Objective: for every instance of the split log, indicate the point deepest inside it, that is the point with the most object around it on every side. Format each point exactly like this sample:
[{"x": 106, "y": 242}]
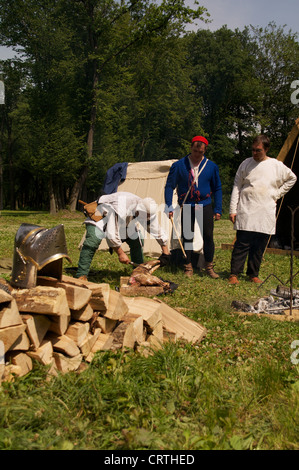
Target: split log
[
  {"x": 4, "y": 297},
  {"x": 63, "y": 344},
  {"x": 22, "y": 360},
  {"x": 67, "y": 364},
  {"x": 100, "y": 292},
  {"x": 9, "y": 314},
  {"x": 89, "y": 342},
  {"x": 157, "y": 332},
  {"x": 59, "y": 324},
  {"x": 10, "y": 334},
  {"x": 103, "y": 343},
  {"x": 128, "y": 332},
  {"x": 77, "y": 297},
  {"x": 42, "y": 300},
  {"x": 36, "y": 328},
  {"x": 78, "y": 332},
  {"x": 106, "y": 325},
  {"x": 43, "y": 354},
  {"x": 179, "y": 324},
  {"x": 10, "y": 372},
  {"x": 149, "y": 309},
  {"x": 83, "y": 314},
  {"x": 117, "y": 308},
  {"x": 127, "y": 289},
  {"x": 22, "y": 343}
]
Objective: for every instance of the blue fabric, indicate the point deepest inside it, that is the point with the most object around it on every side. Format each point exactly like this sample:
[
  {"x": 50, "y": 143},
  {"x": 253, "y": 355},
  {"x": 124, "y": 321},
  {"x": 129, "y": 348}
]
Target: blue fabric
[
  {"x": 114, "y": 176},
  {"x": 209, "y": 185}
]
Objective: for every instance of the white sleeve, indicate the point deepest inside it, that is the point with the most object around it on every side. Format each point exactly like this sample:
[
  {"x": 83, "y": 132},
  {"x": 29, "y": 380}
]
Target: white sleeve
[
  {"x": 288, "y": 180},
  {"x": 156, "y": 231},
  {"x": 235, "y": 195}
]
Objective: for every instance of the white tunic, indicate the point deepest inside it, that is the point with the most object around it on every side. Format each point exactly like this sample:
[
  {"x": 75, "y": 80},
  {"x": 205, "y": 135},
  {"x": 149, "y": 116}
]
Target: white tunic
[
  {"x": 119, "y": 222},
  {"x": 257, "y": 187}
]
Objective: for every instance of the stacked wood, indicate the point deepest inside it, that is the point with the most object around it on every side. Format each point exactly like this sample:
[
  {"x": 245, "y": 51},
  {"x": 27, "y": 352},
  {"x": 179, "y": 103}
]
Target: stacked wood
[{"x": 62, "y": 324}]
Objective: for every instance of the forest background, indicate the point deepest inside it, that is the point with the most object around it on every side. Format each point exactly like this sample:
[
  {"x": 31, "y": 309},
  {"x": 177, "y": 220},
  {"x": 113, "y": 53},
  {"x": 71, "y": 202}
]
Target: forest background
[{"x": 98, "y": 82}]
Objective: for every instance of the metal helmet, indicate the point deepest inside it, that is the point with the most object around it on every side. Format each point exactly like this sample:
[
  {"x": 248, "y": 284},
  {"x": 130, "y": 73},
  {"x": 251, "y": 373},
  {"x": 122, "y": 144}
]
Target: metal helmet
[{"x": 37, "y": 250}]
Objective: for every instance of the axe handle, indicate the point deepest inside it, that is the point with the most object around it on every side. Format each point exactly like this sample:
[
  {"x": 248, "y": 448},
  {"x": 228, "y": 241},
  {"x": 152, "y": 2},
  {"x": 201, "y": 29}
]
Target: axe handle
[{"x": 179, "y": 239}]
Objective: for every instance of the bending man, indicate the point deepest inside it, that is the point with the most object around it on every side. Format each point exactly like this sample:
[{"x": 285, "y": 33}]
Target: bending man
[{"x": 119, "y": 212}]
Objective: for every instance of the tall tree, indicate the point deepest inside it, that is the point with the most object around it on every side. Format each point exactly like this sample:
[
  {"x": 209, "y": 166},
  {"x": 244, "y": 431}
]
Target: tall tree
[{"x": 76, "y": 42}]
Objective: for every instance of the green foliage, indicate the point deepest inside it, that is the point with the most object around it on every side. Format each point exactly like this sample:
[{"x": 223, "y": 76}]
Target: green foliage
[{"x": 102, "y": 82}]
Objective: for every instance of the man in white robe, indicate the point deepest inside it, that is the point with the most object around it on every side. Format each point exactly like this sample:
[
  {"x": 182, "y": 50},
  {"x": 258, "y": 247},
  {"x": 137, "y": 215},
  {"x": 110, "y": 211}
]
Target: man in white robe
[
  {"x": 259, "y": 182},
  {"x": 120, "y": 212}
]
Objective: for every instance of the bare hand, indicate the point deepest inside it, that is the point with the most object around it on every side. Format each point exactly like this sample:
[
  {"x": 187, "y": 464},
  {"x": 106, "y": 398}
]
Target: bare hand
[
  {"x": 232, "y": 218},
  {"x": 217, "y": 216},
  {"x": 122, "y": 257}
]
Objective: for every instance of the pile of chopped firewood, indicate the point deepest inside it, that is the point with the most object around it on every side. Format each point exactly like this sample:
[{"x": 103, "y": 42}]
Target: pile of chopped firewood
[{"x": 62, "y": 324}]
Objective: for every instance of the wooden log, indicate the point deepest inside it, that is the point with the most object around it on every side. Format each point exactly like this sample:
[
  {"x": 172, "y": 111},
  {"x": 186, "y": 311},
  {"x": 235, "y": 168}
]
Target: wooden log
[
  {"x": 4, "y": 297},
  {"x": 9, "y": 315},
  {"x": 22, "y": 343},
  {"x": 146, "y": 291},
  {"x": 66, "y": 364},
  {"x": 157, "y": 331},
  {"x": 63, "y": 344},
  {"x": 10, "y": 334},
  {"x": 43, "y": 354},
  {"x": 10, "y": 372},
  {"x": 149, "y": 309},
  {"x": 106, "y": 325},
  {"x": 83, "y": 314},
  {"x": 128, "y": 332},
  {"x": 103, "y": 343},
  {"x": 78, "y": 332},
  {"x": 117, "y": 308},
  {"x": 89, "y": 343},
  {"x": 100, "y": 292},
  {"x": 182, "y": 326},
  {"x": 22, "y": 360},
  {"x": 77, "y": 296},
  {"x": 36, "y": 328},
  {"x": 42, "y": 300},
  {"x": 59, "y": 324}
]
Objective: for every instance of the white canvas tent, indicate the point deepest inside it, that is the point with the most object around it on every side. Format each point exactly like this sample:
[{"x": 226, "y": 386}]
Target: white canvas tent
[{"x": 148, "y": 179}]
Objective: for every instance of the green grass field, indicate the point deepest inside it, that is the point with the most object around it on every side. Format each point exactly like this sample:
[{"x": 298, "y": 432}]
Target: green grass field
[{"x": 237, "y": 389}]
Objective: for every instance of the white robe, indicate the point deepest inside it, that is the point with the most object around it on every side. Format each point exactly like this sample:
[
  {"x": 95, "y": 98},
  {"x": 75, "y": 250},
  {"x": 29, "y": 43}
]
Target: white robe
[
  {"x": 257, "y": 187},
  {"x": 119, "y": 222}
]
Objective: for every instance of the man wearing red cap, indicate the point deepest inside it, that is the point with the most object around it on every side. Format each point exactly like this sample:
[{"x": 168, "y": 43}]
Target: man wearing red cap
[{"x": 196, "y": 179}]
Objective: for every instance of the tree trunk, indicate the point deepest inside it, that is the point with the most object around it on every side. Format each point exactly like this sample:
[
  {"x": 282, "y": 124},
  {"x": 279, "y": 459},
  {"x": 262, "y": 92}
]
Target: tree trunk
[
  {"x": 77, "y": 188},
  {"x": 52, "y": 199}
]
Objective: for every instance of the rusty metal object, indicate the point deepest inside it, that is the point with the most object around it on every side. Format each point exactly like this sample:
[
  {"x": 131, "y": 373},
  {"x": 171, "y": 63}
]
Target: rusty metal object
[{"x": 37, "y": 250}]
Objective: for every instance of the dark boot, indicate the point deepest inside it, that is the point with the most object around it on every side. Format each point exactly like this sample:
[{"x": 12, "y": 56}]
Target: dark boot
[
  {"x": 188, "y": 270},
  {"x": 210, "y": 270}
]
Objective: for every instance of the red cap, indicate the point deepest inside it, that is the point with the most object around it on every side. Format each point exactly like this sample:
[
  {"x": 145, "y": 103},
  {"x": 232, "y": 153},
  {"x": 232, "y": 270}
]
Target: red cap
[{"x": 199, "y": 138}]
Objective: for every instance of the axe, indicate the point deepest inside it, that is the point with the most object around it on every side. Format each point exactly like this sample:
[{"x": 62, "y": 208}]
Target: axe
[{"x": 179, "y": 239}]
